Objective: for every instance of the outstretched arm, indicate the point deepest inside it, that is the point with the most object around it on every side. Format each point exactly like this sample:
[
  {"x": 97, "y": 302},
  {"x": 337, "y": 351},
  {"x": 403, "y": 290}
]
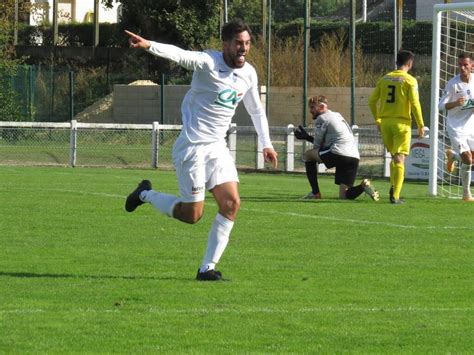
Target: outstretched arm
[
  {"x": 192, "y": 60},
  {"x": 136, "y": 41}
]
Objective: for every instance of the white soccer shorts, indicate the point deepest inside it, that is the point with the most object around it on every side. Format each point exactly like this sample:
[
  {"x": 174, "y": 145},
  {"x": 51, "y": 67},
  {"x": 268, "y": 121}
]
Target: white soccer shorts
[
  {"x": 461, "y": 142},
  {"x": 201, "y": 167}
]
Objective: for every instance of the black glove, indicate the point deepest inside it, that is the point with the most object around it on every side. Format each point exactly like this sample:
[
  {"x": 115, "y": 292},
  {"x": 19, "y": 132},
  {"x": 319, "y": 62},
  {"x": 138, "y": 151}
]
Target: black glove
[{"x": 300, "y": 133}]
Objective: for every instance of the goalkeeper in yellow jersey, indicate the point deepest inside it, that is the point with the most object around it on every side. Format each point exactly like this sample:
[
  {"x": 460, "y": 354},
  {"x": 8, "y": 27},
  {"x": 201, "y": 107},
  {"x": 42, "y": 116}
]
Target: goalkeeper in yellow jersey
[{"x": 392, "y": 103}]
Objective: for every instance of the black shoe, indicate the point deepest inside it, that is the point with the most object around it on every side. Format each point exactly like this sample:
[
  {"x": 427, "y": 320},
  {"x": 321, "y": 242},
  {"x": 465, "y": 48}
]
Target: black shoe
[
  {"x": 390, "y": 195},
  {"x": 133, "y": 200},
  {"x": 397, "y": 202},
  {"x": 209, "y": 275}
]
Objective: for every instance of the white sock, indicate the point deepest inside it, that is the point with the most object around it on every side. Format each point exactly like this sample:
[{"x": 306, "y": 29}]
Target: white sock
[
  {"x": 217, "y": 242},
  {"x": 163, "y": 202},
  {"x": 466, "y": 179}
]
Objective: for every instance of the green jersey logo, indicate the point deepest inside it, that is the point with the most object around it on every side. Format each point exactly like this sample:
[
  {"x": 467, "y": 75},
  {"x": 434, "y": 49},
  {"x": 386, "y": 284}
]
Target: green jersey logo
[
  {"x": 228, "y": 98},
  {"x": 469, "y": 104}
]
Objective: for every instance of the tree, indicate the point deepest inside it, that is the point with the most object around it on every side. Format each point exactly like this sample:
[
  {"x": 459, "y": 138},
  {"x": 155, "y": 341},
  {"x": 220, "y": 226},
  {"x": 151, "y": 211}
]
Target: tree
[
  {"x": 187, "y": 23},
  {"x": 288, "y": 10},
  {"x": 248, "y": 10},
  {"x": 9, "y": 105}
]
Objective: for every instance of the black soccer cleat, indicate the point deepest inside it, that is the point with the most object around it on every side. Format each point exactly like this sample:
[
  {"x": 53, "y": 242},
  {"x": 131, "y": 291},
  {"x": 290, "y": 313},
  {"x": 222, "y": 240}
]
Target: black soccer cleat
[
  {"x": 390, "y": 195},
  {"x": 133, "y": 200},
  {"x": 392, "y": 198},
  {"x": 397, "y": 202},
  {"x": 209, "y": 275}
]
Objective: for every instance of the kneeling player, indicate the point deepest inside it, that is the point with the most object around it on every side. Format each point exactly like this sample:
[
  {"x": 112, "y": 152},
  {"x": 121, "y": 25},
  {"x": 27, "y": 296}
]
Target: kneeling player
[{"x": 335, "y": 146}]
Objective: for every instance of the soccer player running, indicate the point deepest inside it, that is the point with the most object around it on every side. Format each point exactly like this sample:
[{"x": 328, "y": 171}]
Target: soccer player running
[
  {"x": 335, "y": 146},
  {"x": 397, "y": 96},
  {"x": 458, "y": 100},
  {"x": 221, "y": 79}
]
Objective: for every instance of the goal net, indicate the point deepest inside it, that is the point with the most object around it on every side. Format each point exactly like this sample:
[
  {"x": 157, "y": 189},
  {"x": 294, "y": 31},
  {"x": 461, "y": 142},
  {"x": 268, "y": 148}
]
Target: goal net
[{"x": 453, "y": 33}]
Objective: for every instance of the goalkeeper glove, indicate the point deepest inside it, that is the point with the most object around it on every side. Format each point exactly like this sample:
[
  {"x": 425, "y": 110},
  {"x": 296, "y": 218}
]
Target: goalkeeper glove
[{"x": 300, "y": 133}]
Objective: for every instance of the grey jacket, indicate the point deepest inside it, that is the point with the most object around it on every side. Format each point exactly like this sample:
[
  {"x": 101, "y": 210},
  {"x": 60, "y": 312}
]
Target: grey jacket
[{"x": 333, "y": 133}]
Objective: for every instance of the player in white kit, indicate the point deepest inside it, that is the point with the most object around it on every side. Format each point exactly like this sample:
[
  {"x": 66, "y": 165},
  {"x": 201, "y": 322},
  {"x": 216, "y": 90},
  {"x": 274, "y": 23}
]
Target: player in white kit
[
  {"x": 458, "y": 100},
  {"x": 221, "y": 79}
]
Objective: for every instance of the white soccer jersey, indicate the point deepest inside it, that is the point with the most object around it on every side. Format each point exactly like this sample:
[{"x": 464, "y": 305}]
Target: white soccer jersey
[
  {"x": 460, "y": 119},
  {"x": 216, "y": 90}
]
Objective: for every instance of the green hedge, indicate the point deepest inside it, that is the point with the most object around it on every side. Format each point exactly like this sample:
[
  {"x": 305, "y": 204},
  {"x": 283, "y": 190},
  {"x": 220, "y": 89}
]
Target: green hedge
[
  {"x": 75, "y": 35},
  {"x": 374, "y": 37}
]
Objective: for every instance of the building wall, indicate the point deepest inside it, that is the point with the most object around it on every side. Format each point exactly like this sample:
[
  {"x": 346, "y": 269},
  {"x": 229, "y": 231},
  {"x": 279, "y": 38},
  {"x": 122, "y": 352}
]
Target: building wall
[
  {"x": 142, "y": 104},
  {"x": 72, "y": 10},
  {"x": 139, "y": 103},
  {"x": 105, "y": 15}
]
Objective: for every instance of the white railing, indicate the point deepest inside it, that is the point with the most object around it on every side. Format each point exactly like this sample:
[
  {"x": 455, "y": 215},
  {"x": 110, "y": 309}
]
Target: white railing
[
  {"x": 12, "y": 135},
  {"x": 150, "y": 145}
]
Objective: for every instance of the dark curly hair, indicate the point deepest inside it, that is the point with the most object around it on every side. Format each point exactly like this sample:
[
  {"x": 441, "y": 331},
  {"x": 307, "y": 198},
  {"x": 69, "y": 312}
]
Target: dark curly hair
[{"x": 230, "y": 29}]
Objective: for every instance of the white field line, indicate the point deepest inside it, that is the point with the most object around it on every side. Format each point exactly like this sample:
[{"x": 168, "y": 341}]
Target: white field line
[
  {"x": 356, "y": 221},
  {"x": 76, "y": 192},
  {"x": 253, "y": 310},
  {"x": 286, "y": 214},
  {"x": 79, "y": 192}
]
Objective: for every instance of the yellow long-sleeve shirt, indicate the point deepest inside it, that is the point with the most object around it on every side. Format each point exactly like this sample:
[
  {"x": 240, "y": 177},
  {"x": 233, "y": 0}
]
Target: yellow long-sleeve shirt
[{"x": 397, "y": 94}]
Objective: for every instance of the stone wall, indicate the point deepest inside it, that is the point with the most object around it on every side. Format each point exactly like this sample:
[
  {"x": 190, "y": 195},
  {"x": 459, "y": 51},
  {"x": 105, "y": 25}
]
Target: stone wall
[
  {"x": 287, "y": 104},
  {"x": 142, "y": 104}
]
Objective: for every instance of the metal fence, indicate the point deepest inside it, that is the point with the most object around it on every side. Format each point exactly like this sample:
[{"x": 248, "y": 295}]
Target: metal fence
[
  {"x": 72, "y": 79},
  {"x": 150, "y": 145}
]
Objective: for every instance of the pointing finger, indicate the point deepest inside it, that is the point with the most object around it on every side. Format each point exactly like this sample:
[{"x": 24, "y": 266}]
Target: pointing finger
[{"x": 131, "y": 34}]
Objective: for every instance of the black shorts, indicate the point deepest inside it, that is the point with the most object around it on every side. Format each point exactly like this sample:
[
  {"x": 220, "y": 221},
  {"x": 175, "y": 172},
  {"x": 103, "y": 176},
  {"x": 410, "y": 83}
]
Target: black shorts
[{"x": 346, "y": 167}]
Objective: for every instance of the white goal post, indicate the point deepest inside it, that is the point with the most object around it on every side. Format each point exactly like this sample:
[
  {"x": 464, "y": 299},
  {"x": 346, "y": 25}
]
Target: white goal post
[{"x": 453, "y": 33}]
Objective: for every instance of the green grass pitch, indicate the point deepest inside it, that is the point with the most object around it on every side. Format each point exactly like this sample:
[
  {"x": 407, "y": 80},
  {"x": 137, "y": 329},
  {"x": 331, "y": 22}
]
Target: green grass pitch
[{"x": 79, "y": 274}]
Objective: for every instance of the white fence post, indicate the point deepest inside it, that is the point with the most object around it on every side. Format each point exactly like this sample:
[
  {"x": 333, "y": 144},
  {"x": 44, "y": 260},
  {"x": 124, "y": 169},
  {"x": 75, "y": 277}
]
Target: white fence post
[
  {"x": 232, "y": 141},
  {"x": 155, "y": 142},
  {"x": 73, "y": 144},
  {"x": 386, "y": 163},
  {"x": 355, "y": 133},
  {"x": 259, "y": 159},
  {"x": 263, "y": 95},
  {"x": 290, "y": 148}
]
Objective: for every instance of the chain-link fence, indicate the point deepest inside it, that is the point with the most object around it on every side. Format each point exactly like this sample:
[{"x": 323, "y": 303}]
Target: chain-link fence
[
  {"x": 116, "y": 147},
  {"x": 86, "y": 145},
  {"x": 56, "y": 94},
  {"x": 143, "y": 146},
  {"x": 35, "y": 145}
]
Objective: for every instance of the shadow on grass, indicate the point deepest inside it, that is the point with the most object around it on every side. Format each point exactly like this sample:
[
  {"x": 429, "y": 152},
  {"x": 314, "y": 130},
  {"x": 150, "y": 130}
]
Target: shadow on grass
[{"x": 98, "y": 277}]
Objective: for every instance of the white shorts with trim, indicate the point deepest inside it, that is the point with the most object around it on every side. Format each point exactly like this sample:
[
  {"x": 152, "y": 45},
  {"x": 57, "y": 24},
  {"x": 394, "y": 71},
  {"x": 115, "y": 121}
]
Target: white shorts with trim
[
  {"x": 201, "y": 167},
  {"x": 461, "y": 142}
]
